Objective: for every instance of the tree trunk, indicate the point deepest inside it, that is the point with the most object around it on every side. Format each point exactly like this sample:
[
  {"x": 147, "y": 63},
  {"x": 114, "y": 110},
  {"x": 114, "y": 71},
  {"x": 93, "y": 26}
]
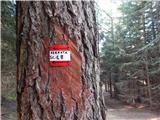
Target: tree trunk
[
  {"x": 110, "y": 84},
  {"x": 148, "y": 79},
  {"x": 57, "y": 93}
]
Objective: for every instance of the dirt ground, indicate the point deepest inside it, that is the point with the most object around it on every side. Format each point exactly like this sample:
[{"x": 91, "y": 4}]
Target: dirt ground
[
  {"x": 120, "y": 111},
  {"x": 116, "y": 111}
]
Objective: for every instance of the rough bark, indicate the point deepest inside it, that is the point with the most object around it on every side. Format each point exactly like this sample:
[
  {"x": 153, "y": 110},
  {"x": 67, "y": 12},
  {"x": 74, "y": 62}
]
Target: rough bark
[{"x": 57, "y": 93}]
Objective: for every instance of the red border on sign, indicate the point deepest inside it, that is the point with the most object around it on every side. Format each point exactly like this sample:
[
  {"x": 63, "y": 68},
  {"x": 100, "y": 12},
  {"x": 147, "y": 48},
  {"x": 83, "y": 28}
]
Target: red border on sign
[
  {"x": 59, "y": 63},
  {"x": 59, "y": 47}
]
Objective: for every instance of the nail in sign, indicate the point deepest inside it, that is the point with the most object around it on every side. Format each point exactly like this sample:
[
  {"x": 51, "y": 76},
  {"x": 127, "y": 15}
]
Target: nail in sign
[{"x": 59, "y": 55}]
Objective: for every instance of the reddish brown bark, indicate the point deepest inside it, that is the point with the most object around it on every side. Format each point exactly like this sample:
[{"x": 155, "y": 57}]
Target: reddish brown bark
[{"x": 50, "y": 93}]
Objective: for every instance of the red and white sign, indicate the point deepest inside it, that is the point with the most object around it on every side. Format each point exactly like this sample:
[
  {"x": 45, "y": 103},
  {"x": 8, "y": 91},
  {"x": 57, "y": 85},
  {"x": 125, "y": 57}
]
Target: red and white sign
[{"x": 59, "y": 55}]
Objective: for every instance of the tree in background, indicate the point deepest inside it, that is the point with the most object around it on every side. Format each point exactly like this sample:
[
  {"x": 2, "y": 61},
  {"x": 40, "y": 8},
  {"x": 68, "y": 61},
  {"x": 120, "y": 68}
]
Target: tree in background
[
  {"x": 136, "y": 44},
  {"x": 8, "y": 50}
]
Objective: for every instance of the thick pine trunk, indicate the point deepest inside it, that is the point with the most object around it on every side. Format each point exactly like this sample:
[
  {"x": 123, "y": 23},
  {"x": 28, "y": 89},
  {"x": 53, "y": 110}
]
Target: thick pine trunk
[{"x": 57, "y": 93}]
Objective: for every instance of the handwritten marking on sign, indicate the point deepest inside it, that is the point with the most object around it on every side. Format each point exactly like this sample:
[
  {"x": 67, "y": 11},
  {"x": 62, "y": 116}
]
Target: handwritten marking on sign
[{"x": 60, "y": 55}]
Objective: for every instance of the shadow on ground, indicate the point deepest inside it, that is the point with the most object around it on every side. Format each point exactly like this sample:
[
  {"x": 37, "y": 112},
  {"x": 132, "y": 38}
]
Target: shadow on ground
[{"x": 120, "y": 111}]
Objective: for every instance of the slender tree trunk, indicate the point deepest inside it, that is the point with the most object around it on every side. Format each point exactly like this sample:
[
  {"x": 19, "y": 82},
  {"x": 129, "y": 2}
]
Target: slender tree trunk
[
  {"x": 106, "y": 86},
  {"x": 148, "y": 81},
  {"x": 57, "y": 93},
  {"x": 110, "y": 84}
]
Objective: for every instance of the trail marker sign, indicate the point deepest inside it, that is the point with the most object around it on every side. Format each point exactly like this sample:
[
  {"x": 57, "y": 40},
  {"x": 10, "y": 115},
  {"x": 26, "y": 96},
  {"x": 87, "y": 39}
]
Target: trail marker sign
[{"x": 59, "y": 55}]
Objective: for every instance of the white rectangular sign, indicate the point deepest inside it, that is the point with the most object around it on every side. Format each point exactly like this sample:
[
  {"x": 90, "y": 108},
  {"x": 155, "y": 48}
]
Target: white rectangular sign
[{"x": 58, "y": 55}]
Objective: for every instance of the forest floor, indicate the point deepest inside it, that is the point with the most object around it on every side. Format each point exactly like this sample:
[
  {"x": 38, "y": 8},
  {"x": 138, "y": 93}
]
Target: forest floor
[
  {"x": 116, "y": 111},
  {"x": 8, "y": 110},
  {"x": 120, "y": 111}
]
